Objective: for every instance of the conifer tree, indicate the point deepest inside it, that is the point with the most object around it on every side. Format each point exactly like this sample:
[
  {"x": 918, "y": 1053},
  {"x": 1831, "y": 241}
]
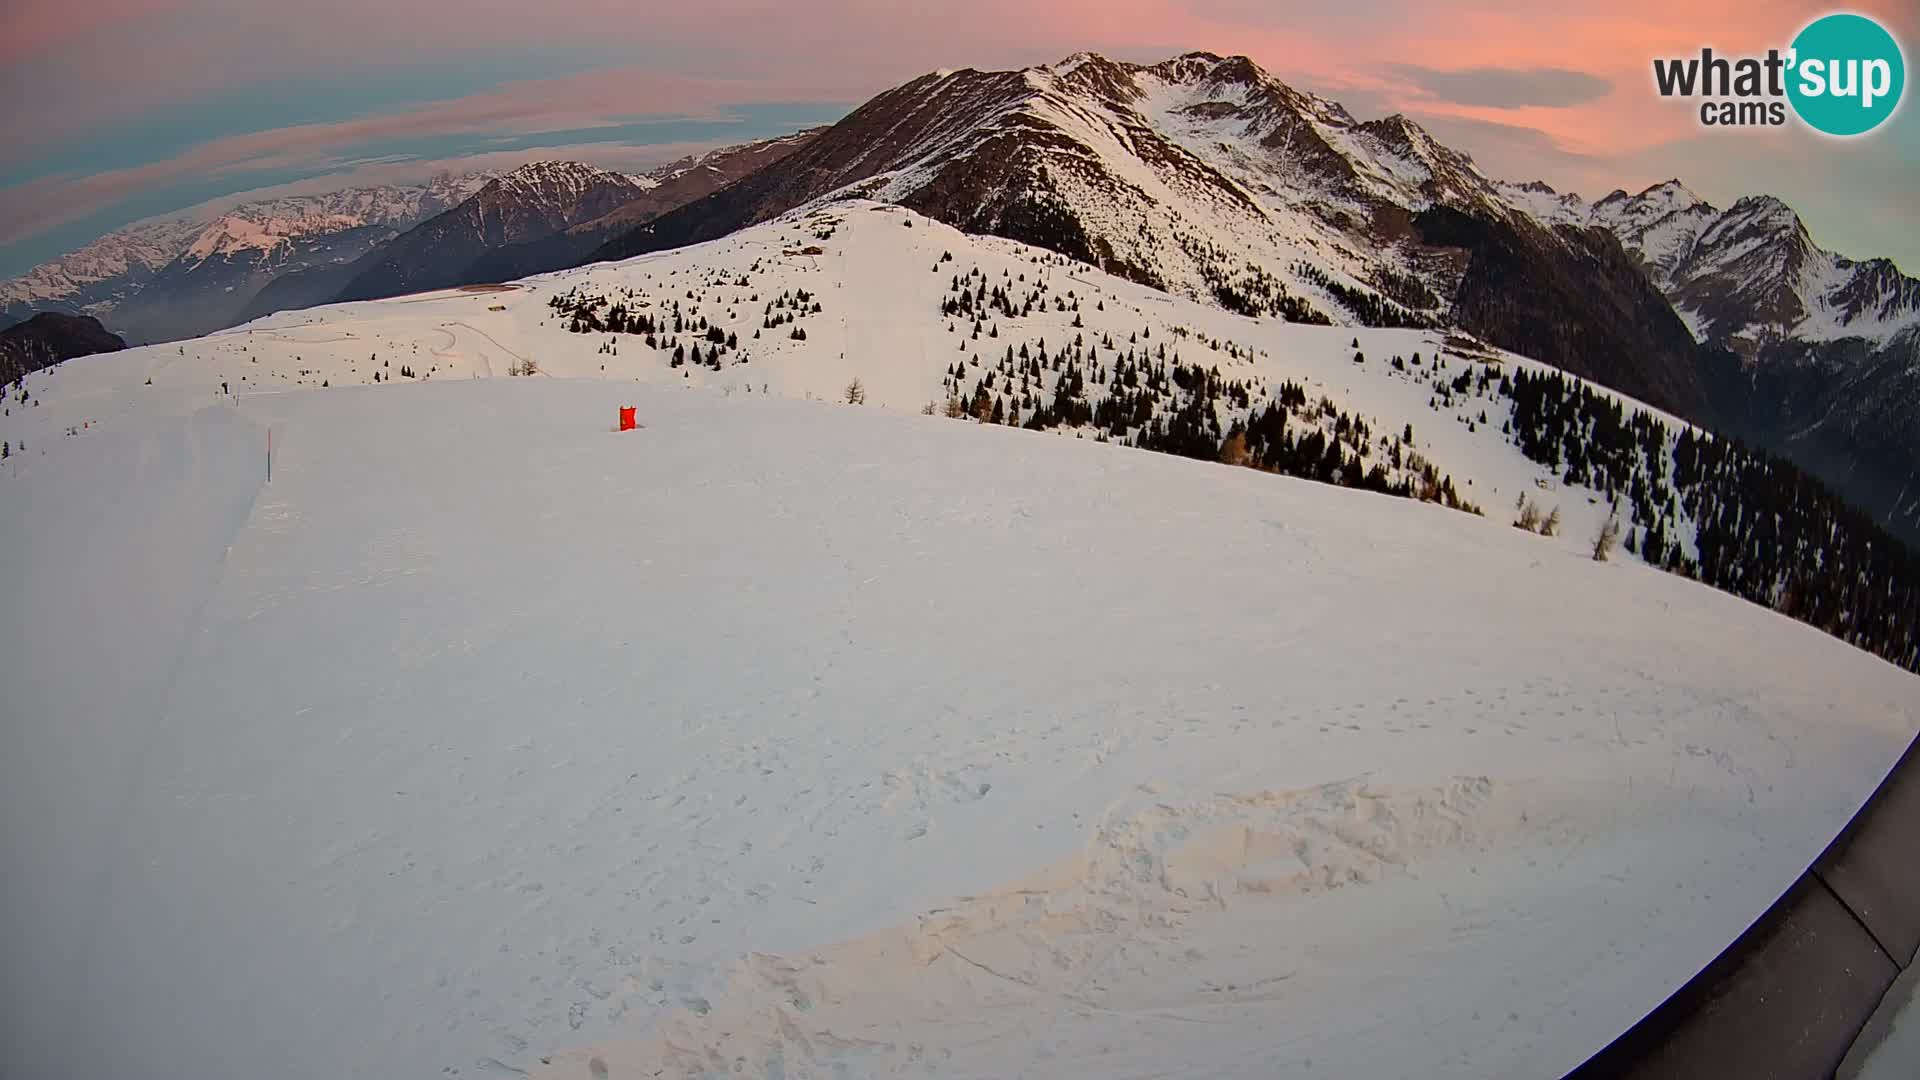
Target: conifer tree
[{"x": 1608, "y": 536}]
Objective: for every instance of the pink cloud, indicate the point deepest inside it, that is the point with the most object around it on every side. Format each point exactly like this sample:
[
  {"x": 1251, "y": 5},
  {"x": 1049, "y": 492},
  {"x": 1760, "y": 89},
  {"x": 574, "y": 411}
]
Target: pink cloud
[{"x": 30, "y": 27}]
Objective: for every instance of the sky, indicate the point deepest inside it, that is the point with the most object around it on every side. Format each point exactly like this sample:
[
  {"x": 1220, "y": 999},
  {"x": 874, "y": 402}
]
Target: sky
[{"x": 124, "y": 109}]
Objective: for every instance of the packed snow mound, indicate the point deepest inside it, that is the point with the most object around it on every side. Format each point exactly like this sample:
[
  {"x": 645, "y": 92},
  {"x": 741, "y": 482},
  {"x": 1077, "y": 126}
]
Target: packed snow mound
[{"x": 921, "y": 996}]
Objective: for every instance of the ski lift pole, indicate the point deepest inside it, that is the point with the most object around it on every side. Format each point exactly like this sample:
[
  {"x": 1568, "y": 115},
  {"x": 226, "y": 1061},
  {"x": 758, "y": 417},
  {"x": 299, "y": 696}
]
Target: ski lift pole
[{"x": 269, "y": 455}]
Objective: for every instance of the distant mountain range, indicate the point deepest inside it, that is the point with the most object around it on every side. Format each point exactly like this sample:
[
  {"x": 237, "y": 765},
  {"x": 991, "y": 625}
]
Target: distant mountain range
[
  {"x": 545, "y": 216},
  {"x": 1205, "y": 177},
  {"x": 186, "y": 276}
]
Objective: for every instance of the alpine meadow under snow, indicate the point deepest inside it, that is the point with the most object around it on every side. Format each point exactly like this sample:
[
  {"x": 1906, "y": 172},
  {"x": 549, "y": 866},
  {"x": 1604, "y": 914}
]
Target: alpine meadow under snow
[{"x": 791, "y": 737}]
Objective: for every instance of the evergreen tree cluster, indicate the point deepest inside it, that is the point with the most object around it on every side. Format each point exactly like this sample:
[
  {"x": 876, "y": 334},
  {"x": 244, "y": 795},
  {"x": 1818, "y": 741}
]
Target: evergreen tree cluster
[
  {"x": 787, "y": 308},
  {"x": 1238, "y": 285},
  {"x": 972, "y": 297},
  {"x": 1147, "y": 396},
  {"x": 1370, "y": 308},
  {"x": 1406, "y": 290},
  {"x": 1255, "y": 292},
  {"x": 1759, "y": 527},
  {"x": 1241, "y": 286},
  {"x": 678, "y": 328}
]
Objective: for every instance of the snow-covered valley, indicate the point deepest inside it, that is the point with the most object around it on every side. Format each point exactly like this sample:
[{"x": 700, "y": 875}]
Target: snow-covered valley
[{"x": 786, "y": 737}]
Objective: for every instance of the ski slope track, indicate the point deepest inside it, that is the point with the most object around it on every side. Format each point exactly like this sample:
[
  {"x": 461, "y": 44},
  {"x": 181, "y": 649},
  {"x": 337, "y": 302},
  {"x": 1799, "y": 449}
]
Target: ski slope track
[{"x": 790, "y": 738}]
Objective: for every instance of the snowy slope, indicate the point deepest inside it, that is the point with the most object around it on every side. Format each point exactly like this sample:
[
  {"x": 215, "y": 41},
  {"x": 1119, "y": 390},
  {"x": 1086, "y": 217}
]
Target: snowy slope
[
  {"x": 789, "y": 738},
  {"x": 880, "y": 285}
]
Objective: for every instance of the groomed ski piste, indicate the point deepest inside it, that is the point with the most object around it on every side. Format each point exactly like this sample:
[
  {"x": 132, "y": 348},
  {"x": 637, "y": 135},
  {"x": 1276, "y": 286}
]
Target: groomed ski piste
[{"x": 785, "y": 737}]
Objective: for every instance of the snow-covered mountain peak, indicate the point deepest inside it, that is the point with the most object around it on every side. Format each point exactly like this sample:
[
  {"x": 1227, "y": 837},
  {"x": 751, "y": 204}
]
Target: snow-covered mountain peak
[
  {"x": 1675, "y": 193},
  {"x": 1200, "y": 77},
  {"x": 1095, "y": 75},
  {"x": 1629, "y": 213},
  {"x": 1190, "y": 66},
  {"x": 1546, "y": 204},
  {"x": 267, "y": 229},
  {"x": 563, "y": 179},
  {"x": 1405, "y": 135},
  {"x": 1751, "y": 278},
  {"x": 230, "y": 234},
  {"x": 1399, "y": 137},
  {"x": 1207, "y": 68},
  {"x": 1660, "y": 225},
  {"x": 1063, "y": 68},
  {"x": 1200, "y": 174},
  {"x": 1763, "y": 211},
  {"x": 1666, "y": 197},
  {"x": 1760, "y": 232}
]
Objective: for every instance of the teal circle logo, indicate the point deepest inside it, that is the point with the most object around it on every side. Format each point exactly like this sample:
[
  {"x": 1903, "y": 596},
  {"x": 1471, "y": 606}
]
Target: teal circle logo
[{"x": 1847, "y": 74}]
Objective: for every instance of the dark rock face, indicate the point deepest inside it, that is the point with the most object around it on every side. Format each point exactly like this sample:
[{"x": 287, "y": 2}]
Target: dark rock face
[
  {"x": 678, "y": 184},
  {"x": 197, "y": 295},
  {"x": 541, "y": 217},
  {"x": 298, "y": 289},
  {"x": 530, "y": 203},
  {"x": 1574, "y": 299},
  {"x": 874, "y": 138},
  {"x": 48, "y": 339},
  {"x": 1843, "y": 410}
]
